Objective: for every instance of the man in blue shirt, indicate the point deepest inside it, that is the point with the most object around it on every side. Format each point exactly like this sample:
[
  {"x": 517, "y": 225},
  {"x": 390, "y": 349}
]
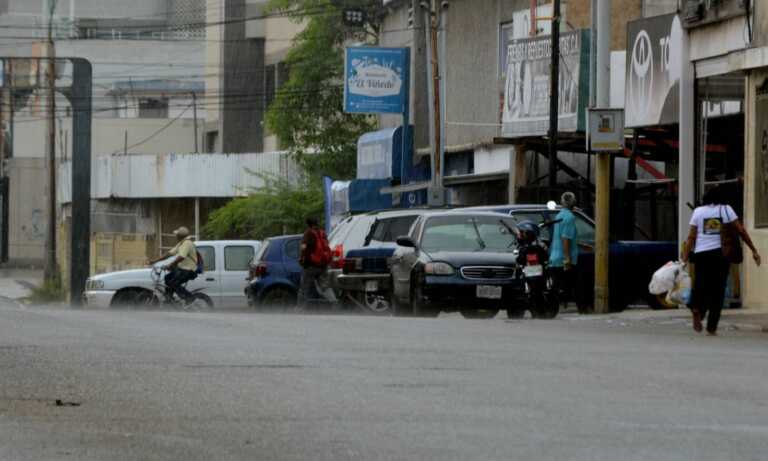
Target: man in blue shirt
[{"x": 564, "y": 248}]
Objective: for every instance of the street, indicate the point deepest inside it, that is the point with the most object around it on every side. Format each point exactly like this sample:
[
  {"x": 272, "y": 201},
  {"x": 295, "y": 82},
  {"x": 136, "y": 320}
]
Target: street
[{"x": 96, "y": 385}]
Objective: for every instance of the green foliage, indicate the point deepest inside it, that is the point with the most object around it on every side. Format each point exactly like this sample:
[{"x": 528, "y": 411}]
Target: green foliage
[
  {"x": 307, "y": 113},
  {"x": 50, "y": 291},
  {"x": 277, "y": 208}
]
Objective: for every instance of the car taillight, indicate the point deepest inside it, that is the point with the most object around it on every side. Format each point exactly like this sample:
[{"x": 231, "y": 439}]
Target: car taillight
[
  {"x": 352, "y": 265},
  {"x": 260, "y": 271},
  {"x": 337, "y": 257},
  {"x": 532, "y": 258}
]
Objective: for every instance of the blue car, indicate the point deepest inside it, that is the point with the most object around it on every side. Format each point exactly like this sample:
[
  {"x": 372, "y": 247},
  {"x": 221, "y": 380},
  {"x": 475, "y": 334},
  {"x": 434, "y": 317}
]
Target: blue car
[{"x": 275, "y": 273}]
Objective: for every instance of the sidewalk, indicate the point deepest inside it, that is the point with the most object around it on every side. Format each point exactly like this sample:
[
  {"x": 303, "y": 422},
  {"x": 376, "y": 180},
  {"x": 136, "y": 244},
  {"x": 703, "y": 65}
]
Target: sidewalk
[
  {"x": 16, "y": 284},
  {"x": 745, "y": 319}
]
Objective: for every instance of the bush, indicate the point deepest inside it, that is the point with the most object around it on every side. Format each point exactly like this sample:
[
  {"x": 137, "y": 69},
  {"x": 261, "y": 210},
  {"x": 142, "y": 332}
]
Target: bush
[{"x": 277, "y": 208}]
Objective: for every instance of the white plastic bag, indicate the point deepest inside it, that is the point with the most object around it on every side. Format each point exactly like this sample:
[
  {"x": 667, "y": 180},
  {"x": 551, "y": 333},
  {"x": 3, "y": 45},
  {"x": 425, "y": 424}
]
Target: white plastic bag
[
  {"x": 680, "y": 294},
  {"x": 663, "y": 280}
]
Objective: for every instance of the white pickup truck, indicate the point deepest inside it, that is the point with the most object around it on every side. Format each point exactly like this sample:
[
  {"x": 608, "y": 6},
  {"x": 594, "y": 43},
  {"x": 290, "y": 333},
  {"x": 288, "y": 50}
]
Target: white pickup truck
[{"x": 226, "y": 265}]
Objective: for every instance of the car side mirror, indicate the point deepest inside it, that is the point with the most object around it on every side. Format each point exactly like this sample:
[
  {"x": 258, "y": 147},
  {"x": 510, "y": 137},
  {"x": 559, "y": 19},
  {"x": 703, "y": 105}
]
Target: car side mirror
[{"x": 406, "y": 242}]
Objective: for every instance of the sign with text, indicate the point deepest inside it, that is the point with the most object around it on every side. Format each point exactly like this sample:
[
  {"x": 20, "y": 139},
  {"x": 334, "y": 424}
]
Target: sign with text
[
  {"x": 376, "y": 80},
  {"x": 526, "y": 93},
  {"x": 654, "y": 65}
]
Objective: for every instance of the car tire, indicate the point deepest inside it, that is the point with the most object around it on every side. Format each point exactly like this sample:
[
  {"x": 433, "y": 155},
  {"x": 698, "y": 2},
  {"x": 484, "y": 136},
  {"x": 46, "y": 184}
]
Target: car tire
[
  {"x": 134, "y": 298},
  {"x": 479, "y": 313},
  {"x": 515, "y": 313},
  {"x": 376, "y": 304},
  {"x": 278, "y": 298},
  {"x": 419, "y": 306}
]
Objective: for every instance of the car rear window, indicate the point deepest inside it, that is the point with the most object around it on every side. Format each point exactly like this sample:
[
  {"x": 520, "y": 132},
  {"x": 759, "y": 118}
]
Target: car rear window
[
  {"x": 262, "y": 253},
  {"x": 209, "y": 258},
  {"x": 292, "y": 249},
  {"x": 389, "y": 229}
]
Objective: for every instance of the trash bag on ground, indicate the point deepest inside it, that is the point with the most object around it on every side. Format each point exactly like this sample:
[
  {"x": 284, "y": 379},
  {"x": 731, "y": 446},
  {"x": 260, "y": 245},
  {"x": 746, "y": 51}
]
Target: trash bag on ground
[
  {"x": 663, "y": 280},
  {"x": 680, "y": 294}
]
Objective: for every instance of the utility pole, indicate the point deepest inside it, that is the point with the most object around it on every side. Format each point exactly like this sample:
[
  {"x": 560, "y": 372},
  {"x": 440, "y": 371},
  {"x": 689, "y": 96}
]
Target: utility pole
[
  {"x": 51, "y": 267},
  {"x": 194, "y": 111},
  {"x": 603, "y": 162},
  {"x": 554, "y": 93},
  {"x": 435, "y": 57}
]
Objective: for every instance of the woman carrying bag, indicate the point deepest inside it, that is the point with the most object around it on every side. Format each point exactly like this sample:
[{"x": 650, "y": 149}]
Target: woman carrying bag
[{"x": 715, "y": 241}]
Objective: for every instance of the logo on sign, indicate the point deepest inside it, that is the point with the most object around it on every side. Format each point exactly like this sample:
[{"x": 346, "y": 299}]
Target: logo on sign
[
  {"x": 641, "y": 78},
  {"x": 374, "y": 80}
]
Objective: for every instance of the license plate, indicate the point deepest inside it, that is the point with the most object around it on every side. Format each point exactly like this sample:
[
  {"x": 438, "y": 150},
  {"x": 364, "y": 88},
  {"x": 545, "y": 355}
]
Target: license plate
[
  {"x": 488, "y": 292},
  {"x": 533, "y": 271},
  {"x": 371, "y": 285}
]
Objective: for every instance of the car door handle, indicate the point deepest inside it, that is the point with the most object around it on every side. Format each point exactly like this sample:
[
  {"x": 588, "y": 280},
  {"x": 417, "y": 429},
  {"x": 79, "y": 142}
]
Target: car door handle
[{"x": 210, "y": 280}]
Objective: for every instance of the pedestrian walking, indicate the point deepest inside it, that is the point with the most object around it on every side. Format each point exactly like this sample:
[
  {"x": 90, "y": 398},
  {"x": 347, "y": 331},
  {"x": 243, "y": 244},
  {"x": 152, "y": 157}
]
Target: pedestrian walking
[
  {"x": 712, "y": 249},
  {"x": 564, "y": 248},
  {"x": 314, "y": 259}
]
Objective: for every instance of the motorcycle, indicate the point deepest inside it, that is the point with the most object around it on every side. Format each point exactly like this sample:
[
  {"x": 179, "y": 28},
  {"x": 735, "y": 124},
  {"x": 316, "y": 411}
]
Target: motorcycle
[
  {"x": 161, "y": 296},
  {"x": 541, "y": 295}
]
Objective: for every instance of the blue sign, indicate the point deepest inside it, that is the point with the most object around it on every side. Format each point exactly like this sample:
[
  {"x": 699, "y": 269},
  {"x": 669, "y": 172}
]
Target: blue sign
[{"x": 376, "y": 80}]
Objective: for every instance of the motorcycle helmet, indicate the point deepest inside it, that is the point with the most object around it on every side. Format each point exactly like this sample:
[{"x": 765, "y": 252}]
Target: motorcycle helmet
[{"x": 529, "y": 231}]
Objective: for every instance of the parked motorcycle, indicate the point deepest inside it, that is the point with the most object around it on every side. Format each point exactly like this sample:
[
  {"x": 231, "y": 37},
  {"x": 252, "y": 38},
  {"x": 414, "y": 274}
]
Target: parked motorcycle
[{"x": 533, "y": 260}]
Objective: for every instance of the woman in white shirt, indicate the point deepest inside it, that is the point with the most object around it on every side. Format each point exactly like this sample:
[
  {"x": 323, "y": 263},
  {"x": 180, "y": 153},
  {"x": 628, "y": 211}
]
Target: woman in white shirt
[{"x": 711, "y": 266}]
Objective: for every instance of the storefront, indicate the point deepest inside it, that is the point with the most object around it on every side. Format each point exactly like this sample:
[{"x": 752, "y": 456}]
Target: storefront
[{"x": 729, "y": 117}]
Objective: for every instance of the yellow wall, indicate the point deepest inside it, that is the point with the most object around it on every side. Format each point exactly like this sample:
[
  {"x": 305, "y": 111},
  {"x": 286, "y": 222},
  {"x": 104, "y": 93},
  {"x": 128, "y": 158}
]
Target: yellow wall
[{"x": 755, "y": 279}]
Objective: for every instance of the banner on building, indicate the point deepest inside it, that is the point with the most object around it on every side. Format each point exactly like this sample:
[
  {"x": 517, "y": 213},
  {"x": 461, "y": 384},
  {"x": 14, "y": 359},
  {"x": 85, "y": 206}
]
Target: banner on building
[
  {"x": 761, "y": 156},
  {"x": 376, "y": 80},
  {"x": 526, "y": 93},
  {"x": 654, "y": 64}
]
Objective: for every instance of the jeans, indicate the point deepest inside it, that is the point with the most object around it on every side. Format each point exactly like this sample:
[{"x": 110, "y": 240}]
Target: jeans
[
  {"x": 709, "y": 285},
  {"x": 175, "y": 280},
  {"x": 307, "y": 292}
]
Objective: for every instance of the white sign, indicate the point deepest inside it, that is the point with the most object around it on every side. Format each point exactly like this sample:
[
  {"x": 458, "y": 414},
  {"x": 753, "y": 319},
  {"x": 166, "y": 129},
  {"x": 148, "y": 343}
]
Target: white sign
[{"x": 606, "y": 130}]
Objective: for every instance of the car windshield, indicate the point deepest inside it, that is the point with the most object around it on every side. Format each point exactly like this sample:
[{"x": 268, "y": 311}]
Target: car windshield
[{"x": 484, "y": 233}]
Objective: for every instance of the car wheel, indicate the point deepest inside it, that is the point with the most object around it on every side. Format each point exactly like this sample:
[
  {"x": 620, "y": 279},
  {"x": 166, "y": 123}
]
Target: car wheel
[
  {"x": 479, "y": 313},
  {"x": 133, "y": 298},
  {"x": 376, "y": 304},
  {"x": 419, "y": 305},
  {"x": 278, "y": 298}
]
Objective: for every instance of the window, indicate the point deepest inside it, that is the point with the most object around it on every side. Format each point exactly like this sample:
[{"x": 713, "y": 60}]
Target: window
[
  {"x": 209, "y": 258},
  {"x": 153, "y": 108},
  {"x": 210, "y": 141},
  {"x": 469, "y": 234},
  {"x": 237, "y": 258},
  {"x": 292, "y": 249},
  {"x": 388, "y": 230},
  {"x": 537, "y": 218},
  {"x": 585, "y": 230},
  {"x": 261, "y": 255},
  {"x": 269, "y": 84}
]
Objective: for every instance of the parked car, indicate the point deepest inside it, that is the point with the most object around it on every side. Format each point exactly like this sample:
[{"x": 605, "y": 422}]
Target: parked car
[
  {"x": 457, "y": 261},
  {"x": 363, "y": 245},
  {"x": 275, "y": 273},
  {"x": 638, "y": 260},
  {"x": 226, "y": 265}
]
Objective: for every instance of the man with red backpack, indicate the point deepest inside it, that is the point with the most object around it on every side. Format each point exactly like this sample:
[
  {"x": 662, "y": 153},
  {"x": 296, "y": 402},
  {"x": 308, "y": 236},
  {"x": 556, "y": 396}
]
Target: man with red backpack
[{"x": 315, "y": 257}]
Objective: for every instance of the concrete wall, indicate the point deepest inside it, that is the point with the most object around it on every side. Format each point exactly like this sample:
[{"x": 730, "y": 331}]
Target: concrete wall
[
  {"x": 658, "y": 7},
  {"x": 27, "y": 222},
  {"x": 761, "y": 23},
  {"x": 108, "y": 136},
  {"x": 755, "y": 286}
]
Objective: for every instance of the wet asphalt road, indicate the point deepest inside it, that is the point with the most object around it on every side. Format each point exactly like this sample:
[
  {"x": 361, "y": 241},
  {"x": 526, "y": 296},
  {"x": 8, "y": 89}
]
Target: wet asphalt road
[{"x": 220, "y": 386}]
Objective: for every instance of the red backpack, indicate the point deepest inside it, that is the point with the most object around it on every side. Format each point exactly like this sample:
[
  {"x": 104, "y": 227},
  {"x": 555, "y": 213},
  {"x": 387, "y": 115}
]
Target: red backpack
[{"x": 321, "y": 253}]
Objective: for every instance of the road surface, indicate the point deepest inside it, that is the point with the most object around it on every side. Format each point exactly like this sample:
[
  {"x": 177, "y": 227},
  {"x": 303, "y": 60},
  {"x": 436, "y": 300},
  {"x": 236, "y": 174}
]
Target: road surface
[{"x": 126, "y": 385}]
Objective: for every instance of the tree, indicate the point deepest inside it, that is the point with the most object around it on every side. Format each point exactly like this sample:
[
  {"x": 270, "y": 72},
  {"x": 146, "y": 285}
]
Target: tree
[
  {"x": 279, "y": 207},
  {"x": 307, "y": 113}
]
